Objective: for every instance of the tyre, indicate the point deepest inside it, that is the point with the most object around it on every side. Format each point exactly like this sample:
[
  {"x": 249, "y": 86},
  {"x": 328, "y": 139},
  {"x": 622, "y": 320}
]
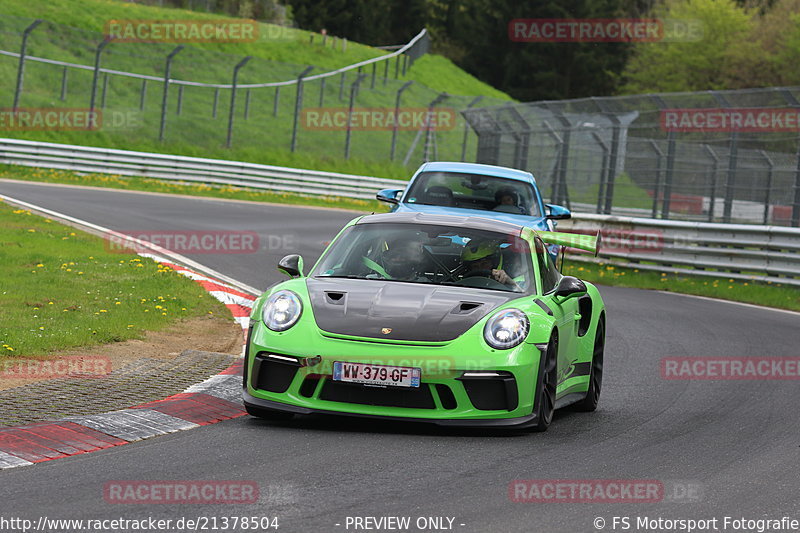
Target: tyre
[
  {"x": 589, "y": 403},
  {"x": 545, "y": 403}
]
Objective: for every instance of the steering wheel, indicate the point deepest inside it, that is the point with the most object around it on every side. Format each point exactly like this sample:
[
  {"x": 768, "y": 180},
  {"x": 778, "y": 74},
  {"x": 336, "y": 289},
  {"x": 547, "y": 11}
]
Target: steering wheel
[{"x": 481, "y": 279}]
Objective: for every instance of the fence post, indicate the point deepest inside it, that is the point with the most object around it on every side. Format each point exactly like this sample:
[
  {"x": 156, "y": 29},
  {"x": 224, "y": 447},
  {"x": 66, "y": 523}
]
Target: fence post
[
  {"x": 563, "y": 163},
  {"x": 341, "y": 86},
  {"x": 22, "y": 52},
  {"x": 657, "y": 184},
  {"x": 730, "y": 184},
  {"x": 385, "y": 71},
  {"x": 555, "y": 188},
  {"x": 216, "y": 103},
  {"x": 247, "y": 104},
  {"x": 397, "y": 67},
  {"x": 143, "y": 95},
  {"x": 770, "y": 166},
  {"x": 353, "y": 93},
  {"x": 180, "y": 100},
  {"x": 167, "y": 68},
  {"x": 405, "y": 86},
  {"x": 429, "y": 127},
  {"x": 64, "y": 85},
  {"x": 298, "y": 105},
  {"x": 374, "y": 69},
  {"x": 796, "y": 202},
  {"x": 322, "y": 92},
  {"x": 713, "y": 182},
  {"x": 277, "y": 100},
  {"x": 97, "y": 55},
  {"x": 405, "y": 64},
  {"x": 105, "y": 90},
  {"x": 231, "y": 111},
  {"x": 604, "y": 169},
  {"x": 466, "y": 128}
]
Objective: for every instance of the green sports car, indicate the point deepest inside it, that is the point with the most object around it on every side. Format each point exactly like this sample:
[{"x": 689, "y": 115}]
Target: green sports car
[{"x": 457, "y": 321}]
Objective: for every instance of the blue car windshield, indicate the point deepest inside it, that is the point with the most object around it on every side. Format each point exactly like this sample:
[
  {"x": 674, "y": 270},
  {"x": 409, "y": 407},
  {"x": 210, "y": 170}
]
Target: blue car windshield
[
  {"x": 474, "y": 191},
  {"x": 430, "y": 254}
]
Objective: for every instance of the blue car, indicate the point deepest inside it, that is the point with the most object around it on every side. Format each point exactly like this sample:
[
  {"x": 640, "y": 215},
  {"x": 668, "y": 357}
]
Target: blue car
[{"x": 473, "y": 189}]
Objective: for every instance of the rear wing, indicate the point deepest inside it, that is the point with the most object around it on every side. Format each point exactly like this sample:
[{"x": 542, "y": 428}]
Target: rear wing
[{"x": 590, "y": 243}]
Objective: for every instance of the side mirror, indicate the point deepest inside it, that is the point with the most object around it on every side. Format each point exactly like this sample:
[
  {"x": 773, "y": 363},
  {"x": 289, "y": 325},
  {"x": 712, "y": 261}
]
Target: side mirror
[
  {"x": 556, "y": 212},
  {"x": 390, "y": 196},
  {"x": 291, "y": 265},
  {"x": 569, "y": 287}
]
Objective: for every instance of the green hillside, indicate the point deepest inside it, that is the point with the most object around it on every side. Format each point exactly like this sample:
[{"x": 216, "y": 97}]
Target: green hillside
[{"x": 73, "y": 28}]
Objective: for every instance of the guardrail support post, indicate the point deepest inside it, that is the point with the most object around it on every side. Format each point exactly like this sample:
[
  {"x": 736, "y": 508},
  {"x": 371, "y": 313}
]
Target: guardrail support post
[
  {"x": 231, "y": 111},
  {"x": 165, "y": 94},
  {"x": 353, "y": 93},
  {"x": 298, "y": 105},
  {"x": 730, "y": 184},
  {"x": 64, "y": 85},
  {"x": 466, "y": 128},
  {"x": 397, "y": 97},
  {"x": 21, "y": 68},
  {"x": 97, "y": 55}
]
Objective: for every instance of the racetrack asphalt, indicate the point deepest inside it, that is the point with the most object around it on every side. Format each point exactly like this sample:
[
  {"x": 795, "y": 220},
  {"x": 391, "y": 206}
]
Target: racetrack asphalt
[{"x": 735, "y": 443}]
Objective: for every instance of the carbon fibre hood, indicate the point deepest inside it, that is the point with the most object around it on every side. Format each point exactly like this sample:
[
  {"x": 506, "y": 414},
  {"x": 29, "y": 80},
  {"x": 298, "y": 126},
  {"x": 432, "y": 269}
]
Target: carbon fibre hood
[{"x": 411, "y": 311}]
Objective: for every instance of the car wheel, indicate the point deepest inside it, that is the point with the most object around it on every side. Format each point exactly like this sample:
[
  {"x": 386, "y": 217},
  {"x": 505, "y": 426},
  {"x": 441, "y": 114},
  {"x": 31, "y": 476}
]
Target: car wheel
[
  {"x": 546, "y": 399},
  {"x": 267, "y": 414},
  {"x": 589, "y": 403}
]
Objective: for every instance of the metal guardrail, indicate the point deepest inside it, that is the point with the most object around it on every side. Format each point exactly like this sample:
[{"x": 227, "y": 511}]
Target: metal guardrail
[
  {"x": 736, "y": 251},
  {"x": 189, "y": 169}
]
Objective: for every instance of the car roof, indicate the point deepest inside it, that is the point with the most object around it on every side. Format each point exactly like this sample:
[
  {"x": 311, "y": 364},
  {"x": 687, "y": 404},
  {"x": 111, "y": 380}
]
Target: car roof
[
  {"x": 472, "y": 222},
  {"x": 477, "y": 168}
]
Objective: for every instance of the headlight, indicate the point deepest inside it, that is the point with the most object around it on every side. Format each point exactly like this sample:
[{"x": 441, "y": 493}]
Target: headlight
[
  {"x": 506, "y": 329},
  {"x": 282, "y": 310}
]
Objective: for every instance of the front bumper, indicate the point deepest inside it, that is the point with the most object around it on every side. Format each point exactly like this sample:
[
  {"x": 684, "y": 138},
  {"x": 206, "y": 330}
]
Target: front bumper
[
  {"x": 454, "y": 391},
  {"x": 522, "y": 422}
]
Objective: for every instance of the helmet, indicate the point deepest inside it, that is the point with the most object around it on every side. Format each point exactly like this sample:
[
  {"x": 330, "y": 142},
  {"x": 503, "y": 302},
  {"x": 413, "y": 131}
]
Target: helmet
[
  {"x": 403, "y": 259},
  {"x": 481, "y": 249}
]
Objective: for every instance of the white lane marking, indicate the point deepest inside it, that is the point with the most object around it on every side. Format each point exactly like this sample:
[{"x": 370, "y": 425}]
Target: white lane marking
[{"x": 743, "y": 304}]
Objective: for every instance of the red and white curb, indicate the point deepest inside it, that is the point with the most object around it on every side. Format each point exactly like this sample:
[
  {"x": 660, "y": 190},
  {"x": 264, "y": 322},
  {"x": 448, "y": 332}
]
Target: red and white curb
[{"x": 213, "y": 400}]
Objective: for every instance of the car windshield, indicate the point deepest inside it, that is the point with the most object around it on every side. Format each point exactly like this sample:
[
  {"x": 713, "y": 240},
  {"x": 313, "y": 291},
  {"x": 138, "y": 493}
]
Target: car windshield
[
  {"x": 474, "y": 191},
  {"x": 430, "y": 254}
]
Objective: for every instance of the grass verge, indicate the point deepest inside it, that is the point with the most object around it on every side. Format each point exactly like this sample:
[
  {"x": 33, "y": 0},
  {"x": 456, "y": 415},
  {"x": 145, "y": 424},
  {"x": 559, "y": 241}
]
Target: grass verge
[
  {"x": 766, "y": 294},
  {"x": 61, "y": 289}
]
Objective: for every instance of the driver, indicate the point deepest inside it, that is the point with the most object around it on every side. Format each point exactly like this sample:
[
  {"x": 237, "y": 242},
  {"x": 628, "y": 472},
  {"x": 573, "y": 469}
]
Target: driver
[
  {"x": 404, "y": 260},
  {"x": 483, "y": 258}
]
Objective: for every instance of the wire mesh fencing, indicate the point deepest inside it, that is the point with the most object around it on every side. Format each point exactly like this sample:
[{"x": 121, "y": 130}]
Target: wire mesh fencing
[{"x": 716, "y": 156}]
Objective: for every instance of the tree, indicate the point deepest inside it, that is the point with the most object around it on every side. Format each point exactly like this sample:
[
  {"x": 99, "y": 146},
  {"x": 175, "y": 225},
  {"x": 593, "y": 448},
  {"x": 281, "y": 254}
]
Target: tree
[{"x": 719, "y": 60}]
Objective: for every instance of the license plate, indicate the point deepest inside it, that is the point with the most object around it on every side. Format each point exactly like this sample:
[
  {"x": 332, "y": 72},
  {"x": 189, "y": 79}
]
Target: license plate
[{"x": 395, "y": 376}]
